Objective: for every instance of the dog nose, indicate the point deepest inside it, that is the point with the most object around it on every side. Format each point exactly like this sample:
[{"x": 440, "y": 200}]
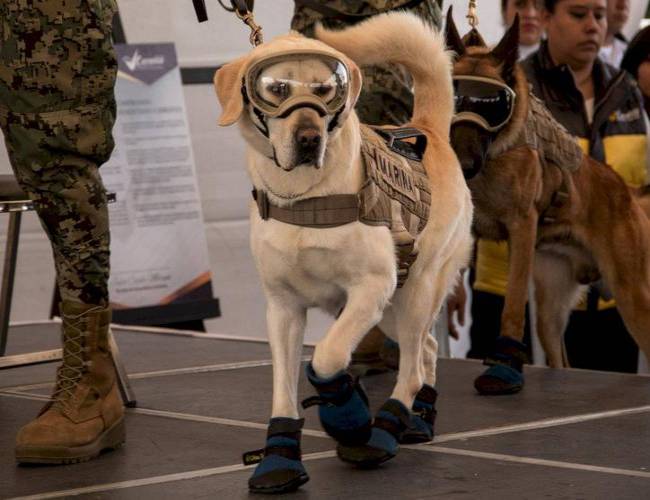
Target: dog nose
[{"x": 308, "y": 139}]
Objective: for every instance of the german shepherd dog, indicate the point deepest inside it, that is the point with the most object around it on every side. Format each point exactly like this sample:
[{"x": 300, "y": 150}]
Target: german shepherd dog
[
  {"x": 293, "y": 99},
  {"x": 599, "y": 230}
]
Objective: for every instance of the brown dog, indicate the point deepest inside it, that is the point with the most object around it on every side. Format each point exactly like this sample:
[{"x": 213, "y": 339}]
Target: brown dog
[{"x": 566, "y": 225}]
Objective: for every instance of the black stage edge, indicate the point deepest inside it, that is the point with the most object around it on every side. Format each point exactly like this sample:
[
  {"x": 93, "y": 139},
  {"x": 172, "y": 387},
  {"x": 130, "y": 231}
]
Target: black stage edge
[
  {"x": 199, "y": 75},
  {"x": 168, "y": 313}
]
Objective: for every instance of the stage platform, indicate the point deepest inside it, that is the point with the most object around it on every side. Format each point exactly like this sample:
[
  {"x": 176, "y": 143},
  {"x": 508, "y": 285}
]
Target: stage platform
[{"x": 203, "y": 400}]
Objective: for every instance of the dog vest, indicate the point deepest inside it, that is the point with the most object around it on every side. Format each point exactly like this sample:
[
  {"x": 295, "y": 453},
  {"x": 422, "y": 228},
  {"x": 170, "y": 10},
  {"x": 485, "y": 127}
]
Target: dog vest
[
  {"x": 543, "y": 133},
  {"x": 554, "y": 145},
  {"x": 395, "y": 194}
]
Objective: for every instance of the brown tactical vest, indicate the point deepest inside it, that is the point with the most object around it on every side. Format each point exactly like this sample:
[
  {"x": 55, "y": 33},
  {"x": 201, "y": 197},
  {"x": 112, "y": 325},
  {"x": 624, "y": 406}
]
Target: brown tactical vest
[
  {"x": 549, "y": 138},
  {"x": 396, "y": 194}
]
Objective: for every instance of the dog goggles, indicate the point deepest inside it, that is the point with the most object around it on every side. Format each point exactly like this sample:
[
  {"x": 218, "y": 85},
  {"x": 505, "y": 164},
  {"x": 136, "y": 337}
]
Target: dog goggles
[
  {"x": 488, "y": 103},
  {"x": 279, "y": 84}
]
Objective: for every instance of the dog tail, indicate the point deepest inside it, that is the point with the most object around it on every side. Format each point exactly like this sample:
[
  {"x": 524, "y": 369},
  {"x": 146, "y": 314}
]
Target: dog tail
[{"x": 403, "y": 38}]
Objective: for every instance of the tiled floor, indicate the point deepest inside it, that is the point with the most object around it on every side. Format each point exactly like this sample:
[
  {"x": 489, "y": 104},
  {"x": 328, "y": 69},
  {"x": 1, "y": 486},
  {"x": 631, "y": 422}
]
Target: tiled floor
[{"x": 204, "y": 401}]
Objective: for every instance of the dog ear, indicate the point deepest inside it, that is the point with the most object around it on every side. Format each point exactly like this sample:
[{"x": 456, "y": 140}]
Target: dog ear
[
  {"x": 228, "y": 85},
  {"x": 452, "y": 37},
  {"x": 507, "y": 52}
]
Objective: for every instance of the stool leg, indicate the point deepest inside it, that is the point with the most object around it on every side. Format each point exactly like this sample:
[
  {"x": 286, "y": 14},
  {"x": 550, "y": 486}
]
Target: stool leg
[
  {"x": 128, "y": 397},
  {"x": 8, "y": 273}
]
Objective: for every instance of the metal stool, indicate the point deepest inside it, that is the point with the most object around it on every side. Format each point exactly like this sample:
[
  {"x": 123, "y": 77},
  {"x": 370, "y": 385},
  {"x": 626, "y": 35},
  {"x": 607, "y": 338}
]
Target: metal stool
[{"x": 14, "y": 201}]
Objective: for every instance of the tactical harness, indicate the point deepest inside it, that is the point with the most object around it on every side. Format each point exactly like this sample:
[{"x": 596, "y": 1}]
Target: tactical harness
[
  {"x": 395, "y": 194},
  {"x": 554, "y": 145}
]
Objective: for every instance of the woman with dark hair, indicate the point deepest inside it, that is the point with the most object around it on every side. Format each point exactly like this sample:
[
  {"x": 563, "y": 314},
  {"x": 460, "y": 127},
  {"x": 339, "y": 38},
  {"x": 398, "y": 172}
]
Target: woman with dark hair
[
  {"x": 603, "y": 108},
  {"x": 530, "y": 23},
  {"x": 618, "y": 12}
]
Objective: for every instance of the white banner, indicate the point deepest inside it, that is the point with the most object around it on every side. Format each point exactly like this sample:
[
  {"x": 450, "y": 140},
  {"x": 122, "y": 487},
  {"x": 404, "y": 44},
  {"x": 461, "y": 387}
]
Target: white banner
[{"x": 158, "y": 244}]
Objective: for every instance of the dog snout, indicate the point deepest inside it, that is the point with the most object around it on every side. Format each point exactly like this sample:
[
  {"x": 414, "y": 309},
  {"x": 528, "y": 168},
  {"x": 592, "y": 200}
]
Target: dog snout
[
  {"x": 308, "y": 138},
  {"x": 308, "y": 141},
  {"x": 471, "y": 166},
  {"x": 471, "y": 144}
]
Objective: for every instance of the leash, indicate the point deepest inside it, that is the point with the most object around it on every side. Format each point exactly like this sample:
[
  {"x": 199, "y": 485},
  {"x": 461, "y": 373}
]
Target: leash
[{"x": 243, "y": 9}]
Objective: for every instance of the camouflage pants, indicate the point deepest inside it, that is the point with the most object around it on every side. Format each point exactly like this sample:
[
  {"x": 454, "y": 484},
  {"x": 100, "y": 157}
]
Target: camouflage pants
[
  {"x": 57, "y": 109},
  {"x": 386, "y": 97}
]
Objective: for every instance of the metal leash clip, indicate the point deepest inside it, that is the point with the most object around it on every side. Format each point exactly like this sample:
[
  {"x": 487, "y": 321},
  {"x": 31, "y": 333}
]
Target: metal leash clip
[
  {"x": 472, "y": 15},
  {"x": 256, "y": 37}
]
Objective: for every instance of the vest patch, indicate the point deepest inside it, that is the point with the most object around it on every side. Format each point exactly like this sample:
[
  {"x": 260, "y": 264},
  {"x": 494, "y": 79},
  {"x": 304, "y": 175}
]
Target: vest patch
[
  {"x": 392, "y": 173},
  {"x": 396, "y": 195}
]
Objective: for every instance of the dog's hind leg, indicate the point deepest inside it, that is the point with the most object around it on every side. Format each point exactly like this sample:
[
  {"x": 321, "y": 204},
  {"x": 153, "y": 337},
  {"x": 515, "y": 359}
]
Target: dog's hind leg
[
  {"x": 505, "y": 372},
  {"x": 280, "y": 468},
  {"x": 556, "y": 293},
  {"x": 423, "y": 411},
  {"x": 623, "y": 258}
]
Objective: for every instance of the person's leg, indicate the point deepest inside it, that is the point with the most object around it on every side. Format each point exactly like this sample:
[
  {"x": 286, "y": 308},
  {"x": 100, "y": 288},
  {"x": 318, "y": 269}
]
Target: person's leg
[
  {"x": 486, "y": 323},
  {"x": 57, "y": 111},
  {"x": 598, "y": 340}
]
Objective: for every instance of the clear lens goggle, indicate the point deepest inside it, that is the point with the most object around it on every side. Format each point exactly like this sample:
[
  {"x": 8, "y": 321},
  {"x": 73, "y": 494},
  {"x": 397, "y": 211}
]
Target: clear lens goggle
[
  {"x": 488, "y": 103},
  {"x": 279, "y": 84}
]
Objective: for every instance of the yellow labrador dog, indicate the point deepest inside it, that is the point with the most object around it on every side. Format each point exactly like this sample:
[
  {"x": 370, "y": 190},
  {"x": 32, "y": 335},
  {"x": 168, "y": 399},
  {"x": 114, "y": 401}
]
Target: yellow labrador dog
[{"x": 293, "y": 99}]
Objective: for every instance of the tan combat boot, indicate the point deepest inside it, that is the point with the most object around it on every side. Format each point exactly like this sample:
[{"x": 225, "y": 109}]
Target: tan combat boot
[{"x": 85, "y": 415}]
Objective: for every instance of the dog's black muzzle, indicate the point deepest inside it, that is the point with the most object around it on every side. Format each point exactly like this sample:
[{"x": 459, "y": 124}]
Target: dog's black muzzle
[{"x": 471, "y": 143}]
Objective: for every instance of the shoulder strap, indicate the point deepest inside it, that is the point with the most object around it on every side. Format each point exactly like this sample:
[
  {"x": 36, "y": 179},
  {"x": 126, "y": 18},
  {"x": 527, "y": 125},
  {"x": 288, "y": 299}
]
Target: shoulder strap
[{"x": 395, "y": 140}]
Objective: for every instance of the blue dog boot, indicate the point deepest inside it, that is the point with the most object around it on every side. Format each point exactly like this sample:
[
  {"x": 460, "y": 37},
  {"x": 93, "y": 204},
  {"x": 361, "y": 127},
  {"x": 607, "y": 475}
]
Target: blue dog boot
[
  {"x": 279, "y": 467},
  {"x": 342, "y": 407},
  {"x": 391, "y": 421},
  {"x": 423, "y": 417},
  {"x": 505, "y": 372}
]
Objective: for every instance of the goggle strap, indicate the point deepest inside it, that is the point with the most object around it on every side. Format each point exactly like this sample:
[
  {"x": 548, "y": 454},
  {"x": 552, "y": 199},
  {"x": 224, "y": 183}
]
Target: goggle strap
[
  {"x": 260, "y": 116},
  {"x": 335, "y": 119}
]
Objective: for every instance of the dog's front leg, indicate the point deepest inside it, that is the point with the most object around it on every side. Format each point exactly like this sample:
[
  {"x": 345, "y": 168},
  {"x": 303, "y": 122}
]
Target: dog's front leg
[
  {"x": 505, "y": 374},
  {"x": 280, "y": 469},
  {"x": 343, "y": 405},
  {"x": 286, "y": 327}
]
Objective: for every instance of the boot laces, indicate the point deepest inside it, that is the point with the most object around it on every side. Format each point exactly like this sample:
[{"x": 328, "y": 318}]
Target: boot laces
[{"x": 74, "y": 360}]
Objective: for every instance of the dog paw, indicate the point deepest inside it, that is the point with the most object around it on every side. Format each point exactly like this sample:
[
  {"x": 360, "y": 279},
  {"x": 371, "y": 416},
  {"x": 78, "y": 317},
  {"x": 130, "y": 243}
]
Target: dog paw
[
  {"x": 505, "y": 372},
  {"x": 342, "y": 407},
  {"x": 391, "y": 421},
  {"x": 423, "y": 417},
  {"x": 279, "y": 469}
]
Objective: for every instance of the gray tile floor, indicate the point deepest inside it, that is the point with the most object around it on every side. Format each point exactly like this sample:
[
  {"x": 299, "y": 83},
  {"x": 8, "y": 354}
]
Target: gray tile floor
[{"x": 203, "y": 401}]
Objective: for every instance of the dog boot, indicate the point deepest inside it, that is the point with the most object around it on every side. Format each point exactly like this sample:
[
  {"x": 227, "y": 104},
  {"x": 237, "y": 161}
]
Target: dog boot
[
  {"x": 505, "y": 372},
  {"x": 423, "y": 417},
  {"x": 391, "y": 421},
  {"x": 85, "y": 415},
  {"x": 342, "y": 406},
  {"x": 279, "y": 467}
]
